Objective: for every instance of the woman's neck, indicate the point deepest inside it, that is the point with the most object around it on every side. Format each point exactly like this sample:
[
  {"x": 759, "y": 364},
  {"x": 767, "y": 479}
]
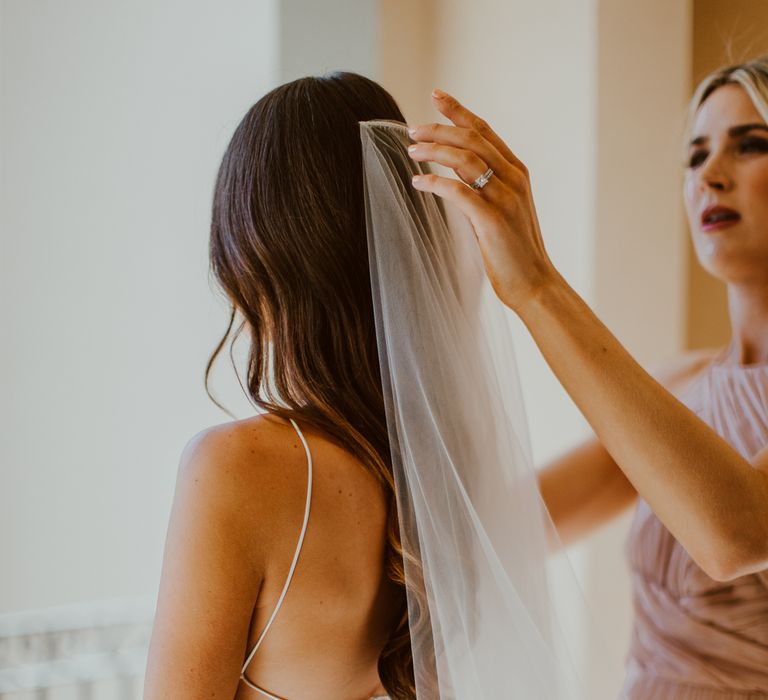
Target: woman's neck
[{"x": 748, "y": 307}]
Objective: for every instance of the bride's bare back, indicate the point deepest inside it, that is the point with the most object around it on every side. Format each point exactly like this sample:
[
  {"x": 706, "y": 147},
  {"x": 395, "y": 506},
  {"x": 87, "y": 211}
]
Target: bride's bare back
[{"x": 237, "y": 516}]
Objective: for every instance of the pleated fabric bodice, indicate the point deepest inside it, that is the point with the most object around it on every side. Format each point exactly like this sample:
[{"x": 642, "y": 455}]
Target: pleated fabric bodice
[{"x": 695, "y": 638}]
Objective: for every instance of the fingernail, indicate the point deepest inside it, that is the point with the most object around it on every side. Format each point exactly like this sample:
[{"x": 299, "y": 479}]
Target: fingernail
[
  {"x": 438, "y": 94},
  {"x": 412, "y": 148},
  {"x": 411, "y": 131},
  {"x": 416, "y": 179}
]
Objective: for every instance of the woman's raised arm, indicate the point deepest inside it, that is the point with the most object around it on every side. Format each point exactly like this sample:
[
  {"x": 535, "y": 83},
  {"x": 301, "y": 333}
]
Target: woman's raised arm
[
  {"x": 584, "y": 488},
  {"x": 709, "y": 497}
]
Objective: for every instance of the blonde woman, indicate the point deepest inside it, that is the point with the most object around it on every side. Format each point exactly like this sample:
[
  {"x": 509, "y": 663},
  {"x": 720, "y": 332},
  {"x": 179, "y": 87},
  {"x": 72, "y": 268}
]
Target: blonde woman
[{"x": 689, "y": 449}]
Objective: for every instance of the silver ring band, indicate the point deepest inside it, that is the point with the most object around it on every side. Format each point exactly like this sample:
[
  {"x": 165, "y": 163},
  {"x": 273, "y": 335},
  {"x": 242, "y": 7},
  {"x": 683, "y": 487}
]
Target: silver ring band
[{"x": 482, "y": 181}]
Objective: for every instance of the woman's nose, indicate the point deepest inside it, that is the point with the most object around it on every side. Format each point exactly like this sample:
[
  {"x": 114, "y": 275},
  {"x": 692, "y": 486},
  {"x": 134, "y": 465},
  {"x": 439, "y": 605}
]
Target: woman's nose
[{"x": 713, "y": 175}]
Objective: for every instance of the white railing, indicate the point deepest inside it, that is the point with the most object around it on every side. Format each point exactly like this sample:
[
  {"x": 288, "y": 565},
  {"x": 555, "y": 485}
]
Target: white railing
[{"x": 88, "y": 651}]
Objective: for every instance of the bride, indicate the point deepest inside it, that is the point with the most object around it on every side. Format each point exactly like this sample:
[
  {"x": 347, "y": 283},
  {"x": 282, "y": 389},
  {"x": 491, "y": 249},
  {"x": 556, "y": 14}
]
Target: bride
[{"x": 376, "y": 530}]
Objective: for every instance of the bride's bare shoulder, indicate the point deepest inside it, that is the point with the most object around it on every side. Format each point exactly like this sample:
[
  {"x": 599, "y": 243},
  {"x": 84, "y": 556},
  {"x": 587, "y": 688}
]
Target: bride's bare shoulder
[
  {"x": 248, "y": 439},
  {"x": 244, "y": 462}
]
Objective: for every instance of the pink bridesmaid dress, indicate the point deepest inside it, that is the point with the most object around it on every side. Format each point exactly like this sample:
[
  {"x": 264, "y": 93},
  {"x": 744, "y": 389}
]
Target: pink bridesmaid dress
[{"x": 695, "y": 638}]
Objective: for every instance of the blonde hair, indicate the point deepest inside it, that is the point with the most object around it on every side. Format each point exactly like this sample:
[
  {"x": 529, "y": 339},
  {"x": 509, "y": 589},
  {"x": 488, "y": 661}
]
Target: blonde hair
[{"x": 752, "y": 76}]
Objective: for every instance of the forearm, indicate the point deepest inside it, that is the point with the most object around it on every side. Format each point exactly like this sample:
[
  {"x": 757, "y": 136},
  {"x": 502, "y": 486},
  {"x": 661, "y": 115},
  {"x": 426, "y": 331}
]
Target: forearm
[
  {"x": 583, "y": 489},
  {"x": 709, "y": 497}
]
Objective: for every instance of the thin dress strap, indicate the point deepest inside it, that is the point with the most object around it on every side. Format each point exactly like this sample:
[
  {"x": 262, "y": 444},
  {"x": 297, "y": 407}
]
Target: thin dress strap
[{"x": 290, "y": 571}]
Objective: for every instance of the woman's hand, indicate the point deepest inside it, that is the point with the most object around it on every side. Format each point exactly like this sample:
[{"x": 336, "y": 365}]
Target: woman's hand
[{"x": 502, "y": 213}]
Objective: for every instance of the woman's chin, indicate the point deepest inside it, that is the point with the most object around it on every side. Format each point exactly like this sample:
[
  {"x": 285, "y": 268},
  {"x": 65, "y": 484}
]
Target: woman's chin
[{"x": 732, "y": 264}]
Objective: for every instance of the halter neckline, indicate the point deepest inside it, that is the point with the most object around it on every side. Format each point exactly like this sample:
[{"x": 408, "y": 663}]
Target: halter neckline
[{"x": 719, "y": 362}]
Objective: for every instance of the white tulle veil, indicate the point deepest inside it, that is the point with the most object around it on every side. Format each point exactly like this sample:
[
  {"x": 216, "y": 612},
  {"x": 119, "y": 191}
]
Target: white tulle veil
[{"x": 483, "y": 617}]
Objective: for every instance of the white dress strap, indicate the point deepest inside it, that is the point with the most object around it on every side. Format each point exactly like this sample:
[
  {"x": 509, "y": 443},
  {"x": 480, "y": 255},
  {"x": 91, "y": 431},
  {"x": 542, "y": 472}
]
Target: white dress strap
[{"x": 290, "y": 571}]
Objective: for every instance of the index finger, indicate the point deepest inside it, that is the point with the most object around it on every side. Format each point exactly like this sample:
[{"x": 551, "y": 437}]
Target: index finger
[{"x": 453, "y": 109}]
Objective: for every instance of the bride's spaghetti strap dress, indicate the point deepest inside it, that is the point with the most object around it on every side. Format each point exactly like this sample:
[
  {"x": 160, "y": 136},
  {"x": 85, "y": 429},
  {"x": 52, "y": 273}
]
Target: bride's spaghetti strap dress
[
  {"x": 261, "y": 691},
  {"x": 695, "y": 638}
]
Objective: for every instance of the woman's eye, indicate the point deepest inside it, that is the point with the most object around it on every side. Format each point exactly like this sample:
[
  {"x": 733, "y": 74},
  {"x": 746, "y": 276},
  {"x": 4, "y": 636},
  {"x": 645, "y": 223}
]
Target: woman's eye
[
  {"x": 753, "y": 145},
  {"x": 697, "y": 158}
]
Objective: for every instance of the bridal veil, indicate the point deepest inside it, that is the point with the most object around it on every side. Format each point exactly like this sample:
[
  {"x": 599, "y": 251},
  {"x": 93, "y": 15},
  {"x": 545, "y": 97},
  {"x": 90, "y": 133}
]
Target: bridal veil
[{"x": 483, "y": 616}]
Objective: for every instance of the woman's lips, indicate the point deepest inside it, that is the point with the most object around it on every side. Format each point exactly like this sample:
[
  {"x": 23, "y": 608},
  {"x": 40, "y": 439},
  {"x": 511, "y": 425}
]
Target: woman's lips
[
  {"x": 717, "y": 225},
  {"x": 716, "y": 218}
]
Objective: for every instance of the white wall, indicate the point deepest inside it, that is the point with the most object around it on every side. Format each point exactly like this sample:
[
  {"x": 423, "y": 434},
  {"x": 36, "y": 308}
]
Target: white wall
[
  {"x": 318, "y": 37},
  {"x": 114, "y": 119}
]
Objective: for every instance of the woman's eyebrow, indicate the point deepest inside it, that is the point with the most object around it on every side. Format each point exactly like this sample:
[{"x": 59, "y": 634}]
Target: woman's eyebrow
[{"x": 733, "y": 132}]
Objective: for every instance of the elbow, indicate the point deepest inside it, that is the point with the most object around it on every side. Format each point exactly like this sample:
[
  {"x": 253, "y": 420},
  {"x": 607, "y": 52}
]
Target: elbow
[
  {"x": 722, "y": 571},
  {"x": 738, "y": 559}
]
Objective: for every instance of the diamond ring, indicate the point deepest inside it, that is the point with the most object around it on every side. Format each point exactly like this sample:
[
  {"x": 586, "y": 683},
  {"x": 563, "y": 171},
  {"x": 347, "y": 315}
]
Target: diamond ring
[{"x": 482, "y": 181}]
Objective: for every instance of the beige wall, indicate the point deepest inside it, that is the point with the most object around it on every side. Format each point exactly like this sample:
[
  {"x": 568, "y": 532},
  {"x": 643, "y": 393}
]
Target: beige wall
[
  {"x": 639, "y": 249},
  {"x": 643, "y": 69},
  {"x": 723, "y": 33},
  {"x": 406, "y": 58},
  {"x": 534, "y": 81}
]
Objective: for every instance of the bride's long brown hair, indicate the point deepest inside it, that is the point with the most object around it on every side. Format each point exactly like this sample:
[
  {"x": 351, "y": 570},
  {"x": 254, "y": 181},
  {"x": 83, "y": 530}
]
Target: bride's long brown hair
[{"x": 288, "y": 247}]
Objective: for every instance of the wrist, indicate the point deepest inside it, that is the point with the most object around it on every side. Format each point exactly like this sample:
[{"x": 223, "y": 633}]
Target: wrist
[{"x": 551, "y": 291}]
